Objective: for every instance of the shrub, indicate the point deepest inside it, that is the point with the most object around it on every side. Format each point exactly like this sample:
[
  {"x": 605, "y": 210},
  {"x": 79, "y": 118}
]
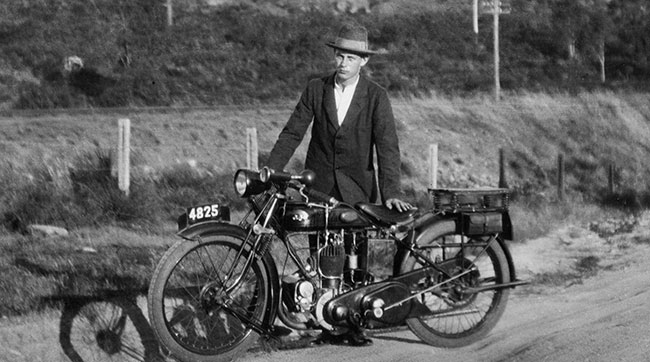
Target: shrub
[
  {"x": 33, "y": 96},
  {"x": 93, "y": 197},
  {"x": 96, "y": 191},
  {"x": 627, "y": 199},
  {"x": 42, "y": 202},
  {"x": 36, "y": 195}
]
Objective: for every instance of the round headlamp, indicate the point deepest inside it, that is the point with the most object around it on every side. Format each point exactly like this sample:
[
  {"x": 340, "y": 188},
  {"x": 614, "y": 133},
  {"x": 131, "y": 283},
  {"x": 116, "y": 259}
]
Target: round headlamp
[
  {"x": 248, "y": 183},
  {"x": 241, "y": 182}
]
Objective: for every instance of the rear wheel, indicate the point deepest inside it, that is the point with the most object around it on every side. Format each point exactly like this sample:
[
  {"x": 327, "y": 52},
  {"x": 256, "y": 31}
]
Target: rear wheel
[
  {"x": 193, "y": 314},
  {"x": 460, "y": 313}
]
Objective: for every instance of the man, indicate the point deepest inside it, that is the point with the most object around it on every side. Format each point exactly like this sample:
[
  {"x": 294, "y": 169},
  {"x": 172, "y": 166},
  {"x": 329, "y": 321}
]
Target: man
[{"x": 351, "y": 116}]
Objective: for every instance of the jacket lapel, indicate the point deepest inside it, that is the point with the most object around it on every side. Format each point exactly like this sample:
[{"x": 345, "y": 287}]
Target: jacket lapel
[{"x": 330, "y": 102}]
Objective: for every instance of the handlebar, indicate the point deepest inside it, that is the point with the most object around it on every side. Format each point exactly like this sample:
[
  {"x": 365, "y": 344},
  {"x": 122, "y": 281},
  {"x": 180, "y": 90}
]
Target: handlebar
[
  {"x": 297, "y": 182},
  {"x": 315, "y": 194}
]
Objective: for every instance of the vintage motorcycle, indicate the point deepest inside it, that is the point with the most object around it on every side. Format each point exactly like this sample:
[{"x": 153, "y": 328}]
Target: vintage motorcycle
[{"x": 214, "y": 292}]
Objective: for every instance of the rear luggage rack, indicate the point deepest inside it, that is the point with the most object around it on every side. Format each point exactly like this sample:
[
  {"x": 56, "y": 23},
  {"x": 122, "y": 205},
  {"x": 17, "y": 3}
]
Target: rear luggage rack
[{"x": 470, "y": 200}]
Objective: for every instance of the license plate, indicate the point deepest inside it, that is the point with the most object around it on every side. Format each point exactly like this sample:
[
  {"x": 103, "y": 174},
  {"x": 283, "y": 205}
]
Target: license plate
[{"x": 196, "y": 214}]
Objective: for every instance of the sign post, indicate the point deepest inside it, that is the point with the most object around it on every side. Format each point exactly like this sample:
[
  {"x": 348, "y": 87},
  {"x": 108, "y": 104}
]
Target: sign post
[
  {"x": 475, "y": 17},
  {"x": 496, "y": 7}
]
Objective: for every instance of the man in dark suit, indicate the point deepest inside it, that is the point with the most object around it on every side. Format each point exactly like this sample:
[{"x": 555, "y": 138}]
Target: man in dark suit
[{"x": 351, "y": 116}]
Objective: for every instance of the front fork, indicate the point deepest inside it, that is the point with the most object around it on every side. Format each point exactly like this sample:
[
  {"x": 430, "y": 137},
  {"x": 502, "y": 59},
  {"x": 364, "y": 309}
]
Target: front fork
[{"x": 260, "y": 245}]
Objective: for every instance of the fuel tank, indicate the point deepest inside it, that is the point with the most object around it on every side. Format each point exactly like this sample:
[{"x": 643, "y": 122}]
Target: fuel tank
[{"x": 298, "y": 216}]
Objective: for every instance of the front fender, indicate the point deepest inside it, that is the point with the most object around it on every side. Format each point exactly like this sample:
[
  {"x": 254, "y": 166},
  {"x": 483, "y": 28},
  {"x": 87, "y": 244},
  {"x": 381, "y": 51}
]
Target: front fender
[
  {"x": 219, "y": 227},
  {"x": 210, "y": 228}
]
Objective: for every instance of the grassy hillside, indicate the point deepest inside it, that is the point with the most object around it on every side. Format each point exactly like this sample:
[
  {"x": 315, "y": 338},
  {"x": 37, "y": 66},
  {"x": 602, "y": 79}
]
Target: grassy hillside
[
  {"x": 229, "y": 54},
  {"x": 591, "y": 130},
  {"x": 42, "y": 152}
]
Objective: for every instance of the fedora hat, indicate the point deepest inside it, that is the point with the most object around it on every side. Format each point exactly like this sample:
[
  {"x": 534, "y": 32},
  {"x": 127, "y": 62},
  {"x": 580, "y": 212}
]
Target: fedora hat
[{"x": 352, "y": 38}]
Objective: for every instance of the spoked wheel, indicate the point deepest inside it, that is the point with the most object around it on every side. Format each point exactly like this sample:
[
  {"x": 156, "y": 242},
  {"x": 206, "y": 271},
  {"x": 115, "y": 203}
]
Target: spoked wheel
[
  {"x": 112, "y": 329},
  {"x": 461, "y": 312},
  {"x": 194, "y": 309}
]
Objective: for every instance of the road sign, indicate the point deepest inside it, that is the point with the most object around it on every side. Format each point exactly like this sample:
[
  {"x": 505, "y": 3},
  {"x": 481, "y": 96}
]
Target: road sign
[{"x": 487, "y": 6}]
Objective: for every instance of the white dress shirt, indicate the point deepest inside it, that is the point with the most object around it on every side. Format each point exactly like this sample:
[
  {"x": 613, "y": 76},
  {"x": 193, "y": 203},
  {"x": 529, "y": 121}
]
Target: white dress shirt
[{"x": 343, "y": 97}]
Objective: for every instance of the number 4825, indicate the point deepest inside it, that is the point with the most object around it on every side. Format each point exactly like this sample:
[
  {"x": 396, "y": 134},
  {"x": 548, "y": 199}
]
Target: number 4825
[{"x": 203, "y": 212}]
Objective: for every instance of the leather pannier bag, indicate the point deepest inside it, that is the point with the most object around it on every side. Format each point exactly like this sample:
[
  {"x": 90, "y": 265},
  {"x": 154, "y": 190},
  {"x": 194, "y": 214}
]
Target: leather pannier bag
[{"x": 482, "y": 223}]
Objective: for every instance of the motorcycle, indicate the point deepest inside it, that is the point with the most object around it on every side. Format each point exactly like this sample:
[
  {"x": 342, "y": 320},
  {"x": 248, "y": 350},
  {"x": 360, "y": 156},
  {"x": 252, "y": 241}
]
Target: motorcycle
[{"x": 219, "y": 288}]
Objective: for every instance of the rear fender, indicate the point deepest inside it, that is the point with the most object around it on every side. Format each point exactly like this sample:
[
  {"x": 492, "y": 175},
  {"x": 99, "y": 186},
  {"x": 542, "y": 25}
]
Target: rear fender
[
  {"x": 438, "y": 225},
  {"x": 221, "y": 228}
]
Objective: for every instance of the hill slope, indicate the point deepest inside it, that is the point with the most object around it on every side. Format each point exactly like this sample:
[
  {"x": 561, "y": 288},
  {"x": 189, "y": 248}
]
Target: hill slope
[
  {"x": 590, "y": 130},
  {"x": 127, "y": 54}
]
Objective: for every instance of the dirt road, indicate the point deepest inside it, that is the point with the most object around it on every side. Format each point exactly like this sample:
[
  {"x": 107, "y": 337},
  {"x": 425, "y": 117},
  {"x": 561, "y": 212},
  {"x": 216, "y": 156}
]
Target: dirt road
[{"x": 605, "y": 317}]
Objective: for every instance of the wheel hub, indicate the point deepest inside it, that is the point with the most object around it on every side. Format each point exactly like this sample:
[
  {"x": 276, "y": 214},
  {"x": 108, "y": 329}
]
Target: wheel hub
[
  {"x": 456, "y": 295},
  {"x": 109, "y": 341},
  {"x": 212, "y": 295}
]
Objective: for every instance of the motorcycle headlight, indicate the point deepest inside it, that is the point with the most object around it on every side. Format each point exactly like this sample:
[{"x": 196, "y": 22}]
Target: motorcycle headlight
[{"x": 248, "y": 183}]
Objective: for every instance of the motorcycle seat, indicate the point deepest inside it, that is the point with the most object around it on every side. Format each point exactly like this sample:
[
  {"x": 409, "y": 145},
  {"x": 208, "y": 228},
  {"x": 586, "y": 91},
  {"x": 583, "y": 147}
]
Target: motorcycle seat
[{"x": 384, "y": 216}]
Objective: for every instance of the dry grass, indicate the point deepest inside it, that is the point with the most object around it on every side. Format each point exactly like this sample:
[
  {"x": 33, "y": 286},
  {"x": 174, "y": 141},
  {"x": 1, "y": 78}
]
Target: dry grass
[
  {"x": 590, "y": 129},
  {"x": 38, "y": 271}
]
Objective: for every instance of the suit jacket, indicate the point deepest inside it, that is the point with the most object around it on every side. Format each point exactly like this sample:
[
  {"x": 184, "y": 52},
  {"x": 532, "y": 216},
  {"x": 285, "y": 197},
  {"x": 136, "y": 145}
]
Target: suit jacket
[{"x": 342, "y": 156}]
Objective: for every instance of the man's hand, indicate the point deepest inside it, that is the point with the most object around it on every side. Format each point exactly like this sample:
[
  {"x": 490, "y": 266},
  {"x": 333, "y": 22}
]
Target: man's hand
[{"x": 398, "y": 204}]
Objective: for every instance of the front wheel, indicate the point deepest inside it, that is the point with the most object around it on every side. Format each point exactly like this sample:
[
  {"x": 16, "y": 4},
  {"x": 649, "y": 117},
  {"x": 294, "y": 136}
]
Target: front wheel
[
  {"x": 193, "y": 308},
  {"x": 461, "y": 312}
]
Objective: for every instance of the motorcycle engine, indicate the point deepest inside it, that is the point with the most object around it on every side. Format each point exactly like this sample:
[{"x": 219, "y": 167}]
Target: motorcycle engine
[
  {"x": 331, "y": 261},
  {"x": 334, "y": 280},
  {"x": 309, "y": 297}
]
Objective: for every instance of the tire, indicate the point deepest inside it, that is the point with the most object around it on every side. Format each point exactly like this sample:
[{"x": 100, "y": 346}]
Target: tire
[
  {"x": 196, "y": 328},
  {"x": 112, "y": 329},
  {"x": 460, "y": 319}
]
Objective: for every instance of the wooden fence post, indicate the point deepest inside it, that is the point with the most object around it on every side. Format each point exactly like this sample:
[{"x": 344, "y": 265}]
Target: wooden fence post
[
  {"x": 433, "y": 165},
  {"x": 251, "y": 149},
  {"x": 503, "y": 183},
  {"x": 123, "y": 155},
  {"x": 560, "y": 177},
  {"x": 610, "y": 178}
]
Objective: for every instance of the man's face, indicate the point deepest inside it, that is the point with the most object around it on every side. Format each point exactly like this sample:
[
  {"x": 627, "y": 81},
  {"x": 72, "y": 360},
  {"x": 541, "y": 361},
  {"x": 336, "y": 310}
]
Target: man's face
[{"x": 348, "y": 65}]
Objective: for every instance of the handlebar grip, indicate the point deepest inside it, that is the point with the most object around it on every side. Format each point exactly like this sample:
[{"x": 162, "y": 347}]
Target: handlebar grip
[
  {"x": 321, "y": 196},
  {"x": 267, "y": 174}
]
